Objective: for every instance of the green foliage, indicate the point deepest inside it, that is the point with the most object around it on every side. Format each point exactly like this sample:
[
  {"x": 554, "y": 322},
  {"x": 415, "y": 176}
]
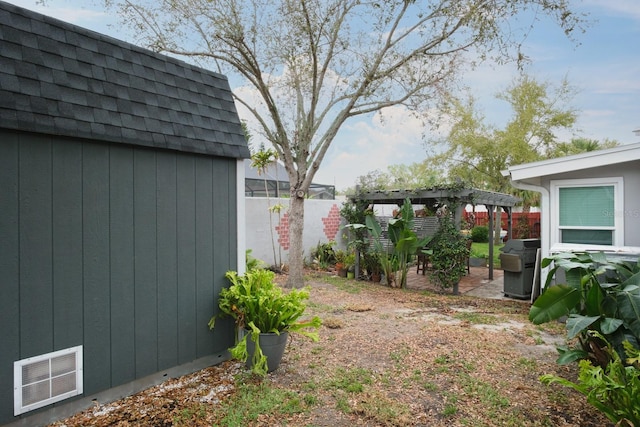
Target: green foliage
[
  {"x": 258, "y": 304},
  {"x": 405, "y": 240},
  {"x": 478, "y": 152},
  {"x": 450, "y": 253},
  {"x": 253, "y": 400},
  {"x": 601, "y": 295},
  {"x": 481, "y": 250},
  {"x": 387, "y": 261},
  {"x": 614, "y": 389},
  {"x": 253, "y": 263},
  {"x": 356, "y": 213},
  {"x": 371, "y": 261},
  {"x": 324, "y": 255},
  {"x": 480, "y": 234},
  {"x": 351, "y": 380},
  {"x": 349, "y": 260},
  {"x": 340, "y": 256}
]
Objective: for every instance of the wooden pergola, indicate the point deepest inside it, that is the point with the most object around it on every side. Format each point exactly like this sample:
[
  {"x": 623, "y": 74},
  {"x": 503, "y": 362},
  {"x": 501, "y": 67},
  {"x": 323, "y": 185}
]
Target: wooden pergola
[{"x": 455, "y": 199}]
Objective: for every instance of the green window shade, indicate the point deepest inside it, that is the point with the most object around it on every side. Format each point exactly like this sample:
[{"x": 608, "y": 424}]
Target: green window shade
[
  {"x": 588, "y": 237},
  {"x": 587, "y": 206}
]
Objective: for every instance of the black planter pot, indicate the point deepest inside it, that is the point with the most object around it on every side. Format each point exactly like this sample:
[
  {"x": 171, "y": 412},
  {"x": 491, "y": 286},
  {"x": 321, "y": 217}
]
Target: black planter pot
[{"x": 272, "y": 346}]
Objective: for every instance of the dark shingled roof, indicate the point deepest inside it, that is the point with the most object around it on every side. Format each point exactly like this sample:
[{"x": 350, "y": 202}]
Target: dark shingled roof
[{"x": 61, "y": 79}]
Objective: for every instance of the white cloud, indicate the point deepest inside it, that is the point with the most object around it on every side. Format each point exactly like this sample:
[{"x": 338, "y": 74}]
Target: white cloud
[
  {"x": 626, "y": 8},
  {"x": 64, "y": 10},
  {"x": 391, "y": 136}
]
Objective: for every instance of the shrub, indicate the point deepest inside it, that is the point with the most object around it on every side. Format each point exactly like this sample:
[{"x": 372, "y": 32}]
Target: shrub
[
  {"x": 614, "y": 389},
  {"x": 601, "y": 299},
  {"x": 324, "y": 255},
  {"x": 449, "y": 254},
  {"x": 480, "y": 234},
  {"x": 601, "y": 295}
]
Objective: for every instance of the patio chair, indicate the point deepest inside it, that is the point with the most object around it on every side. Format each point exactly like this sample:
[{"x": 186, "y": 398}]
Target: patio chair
[{"x": 423, "y": 261}]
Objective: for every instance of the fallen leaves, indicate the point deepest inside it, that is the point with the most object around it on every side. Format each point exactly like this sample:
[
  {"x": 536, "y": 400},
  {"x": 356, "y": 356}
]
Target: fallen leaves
[{"x": 426, "y": 368}]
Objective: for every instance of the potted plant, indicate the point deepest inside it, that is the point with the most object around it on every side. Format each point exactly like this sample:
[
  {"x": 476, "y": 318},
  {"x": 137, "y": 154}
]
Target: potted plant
[
  {"x": 450, "y": 251},
  {"x": 372, "y": 264},
  {"x": 340, "y": 257},
  {"x": 266, "y": 315},
  {"x": 350, "y": 264}
]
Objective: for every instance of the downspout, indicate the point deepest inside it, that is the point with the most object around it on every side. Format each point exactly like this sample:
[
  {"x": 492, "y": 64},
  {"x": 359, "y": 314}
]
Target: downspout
[{"x": 545, "y": 222}]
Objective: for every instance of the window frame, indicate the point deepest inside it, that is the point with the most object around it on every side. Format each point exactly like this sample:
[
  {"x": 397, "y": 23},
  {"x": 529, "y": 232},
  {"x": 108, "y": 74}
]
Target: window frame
[{"x": 618, "y": 206}]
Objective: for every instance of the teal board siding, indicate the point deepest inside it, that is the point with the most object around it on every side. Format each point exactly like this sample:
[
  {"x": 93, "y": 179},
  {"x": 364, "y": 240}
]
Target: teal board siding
[
  {"x": 9, "y": 269},
  {"x": 168, "y": 257},
  {"x": 36, "y": 306},
  {"x": 120, "y": 249},
  {"x": 224, "y": 220},
  {"x": 96, "y": 265},
  {"x": 186, "y": 255},
  {"x": 66, "y": 238},
  {"x": 145, "y": 266},
  {"x": 204, "y": 256},
  {"x": 122, "y": 310}
]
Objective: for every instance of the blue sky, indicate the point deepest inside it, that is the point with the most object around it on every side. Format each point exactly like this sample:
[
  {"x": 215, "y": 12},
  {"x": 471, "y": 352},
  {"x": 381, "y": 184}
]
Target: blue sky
[{"x": 604, "y": 68}]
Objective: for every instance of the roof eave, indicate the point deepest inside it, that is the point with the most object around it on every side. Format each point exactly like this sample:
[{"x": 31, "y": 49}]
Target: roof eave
[{"x": 528, "y": 171}]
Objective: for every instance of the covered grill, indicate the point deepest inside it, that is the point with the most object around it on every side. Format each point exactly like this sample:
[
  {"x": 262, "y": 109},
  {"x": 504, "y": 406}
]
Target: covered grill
[{"x": 518, "y": 261}]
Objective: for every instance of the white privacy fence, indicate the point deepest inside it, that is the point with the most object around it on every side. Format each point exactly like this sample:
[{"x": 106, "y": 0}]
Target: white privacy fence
[{"x": 266, "y": 231}]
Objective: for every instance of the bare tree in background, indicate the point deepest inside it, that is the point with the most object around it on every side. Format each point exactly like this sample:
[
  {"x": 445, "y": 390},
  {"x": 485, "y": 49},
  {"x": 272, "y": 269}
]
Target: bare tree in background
[{"x": 304, "y": 67}]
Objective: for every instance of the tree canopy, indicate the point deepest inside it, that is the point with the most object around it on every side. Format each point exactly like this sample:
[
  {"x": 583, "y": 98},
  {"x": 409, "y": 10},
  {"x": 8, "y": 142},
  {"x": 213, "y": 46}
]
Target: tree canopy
[
  {"x": 477, "y": 152},
  {"x": 304, "y": 67}
]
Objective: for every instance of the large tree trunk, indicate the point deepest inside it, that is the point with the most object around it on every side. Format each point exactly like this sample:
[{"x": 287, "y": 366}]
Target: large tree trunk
[{"x": 296, "y": 228}]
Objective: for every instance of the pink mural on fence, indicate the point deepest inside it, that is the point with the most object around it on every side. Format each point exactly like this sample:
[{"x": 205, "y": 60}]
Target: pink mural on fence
[
  {"x": 283, "y": 231},
  {"x": 331, "y": 226},
  {"x": 332, "y": 223}
]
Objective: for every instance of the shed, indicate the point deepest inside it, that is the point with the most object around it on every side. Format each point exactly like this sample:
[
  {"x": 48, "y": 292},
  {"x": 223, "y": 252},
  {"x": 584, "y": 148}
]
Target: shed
[{"x": 121, "y": 186}]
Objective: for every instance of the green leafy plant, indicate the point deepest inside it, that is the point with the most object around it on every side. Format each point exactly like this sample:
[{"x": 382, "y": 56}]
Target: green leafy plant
[
  {"x": 340, "y": 257},
  {"x": 449, "y": 254},
  {"x": 350, "y": 260},
  {"x": 323, "y": 255},
  {"x": 405, "y": 241},
  {"x": 371, "y": 261},
  {"x": 388, "y": 262},
  {"x": 258, "y": 305},
  {"x": 614, "y": 389},
  {"x": 253, "y": 263},
  {"x": 600, "y": 294},
  {"x": 480, "y": 234}
]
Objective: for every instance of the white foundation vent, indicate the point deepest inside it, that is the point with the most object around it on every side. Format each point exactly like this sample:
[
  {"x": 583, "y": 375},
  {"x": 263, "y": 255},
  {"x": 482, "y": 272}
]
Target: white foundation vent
[{"x": 42, "y": 380}]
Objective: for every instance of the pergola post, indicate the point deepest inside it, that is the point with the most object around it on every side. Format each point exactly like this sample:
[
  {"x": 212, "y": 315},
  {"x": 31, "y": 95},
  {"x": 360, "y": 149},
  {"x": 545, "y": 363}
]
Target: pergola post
[{"x": 490, "y": 212}]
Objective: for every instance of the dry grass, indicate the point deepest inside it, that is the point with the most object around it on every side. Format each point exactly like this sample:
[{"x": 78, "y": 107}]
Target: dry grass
[{"x": 386, "y": 357}]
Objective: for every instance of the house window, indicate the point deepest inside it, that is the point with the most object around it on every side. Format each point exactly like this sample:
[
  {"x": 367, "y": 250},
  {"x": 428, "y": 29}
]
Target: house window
[
  {"x": 586, "y": 211},
  {"x": 48, "y": 378}
]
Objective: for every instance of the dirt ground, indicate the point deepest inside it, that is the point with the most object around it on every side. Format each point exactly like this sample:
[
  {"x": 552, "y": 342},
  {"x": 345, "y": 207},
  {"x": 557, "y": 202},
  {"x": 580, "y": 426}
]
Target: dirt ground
[{"x": 388, "y": 357}]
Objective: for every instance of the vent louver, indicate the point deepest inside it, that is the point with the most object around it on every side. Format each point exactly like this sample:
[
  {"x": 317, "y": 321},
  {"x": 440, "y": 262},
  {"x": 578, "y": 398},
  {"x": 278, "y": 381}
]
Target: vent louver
[{"x": 48, "y": 378}]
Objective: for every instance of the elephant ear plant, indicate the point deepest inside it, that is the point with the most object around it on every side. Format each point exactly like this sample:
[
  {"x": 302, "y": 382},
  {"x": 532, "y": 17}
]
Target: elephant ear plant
[
  {"x": 600, "y": 294},
  {"x": 601, "y": 299},
  {"x": 258, "y": 305}
]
